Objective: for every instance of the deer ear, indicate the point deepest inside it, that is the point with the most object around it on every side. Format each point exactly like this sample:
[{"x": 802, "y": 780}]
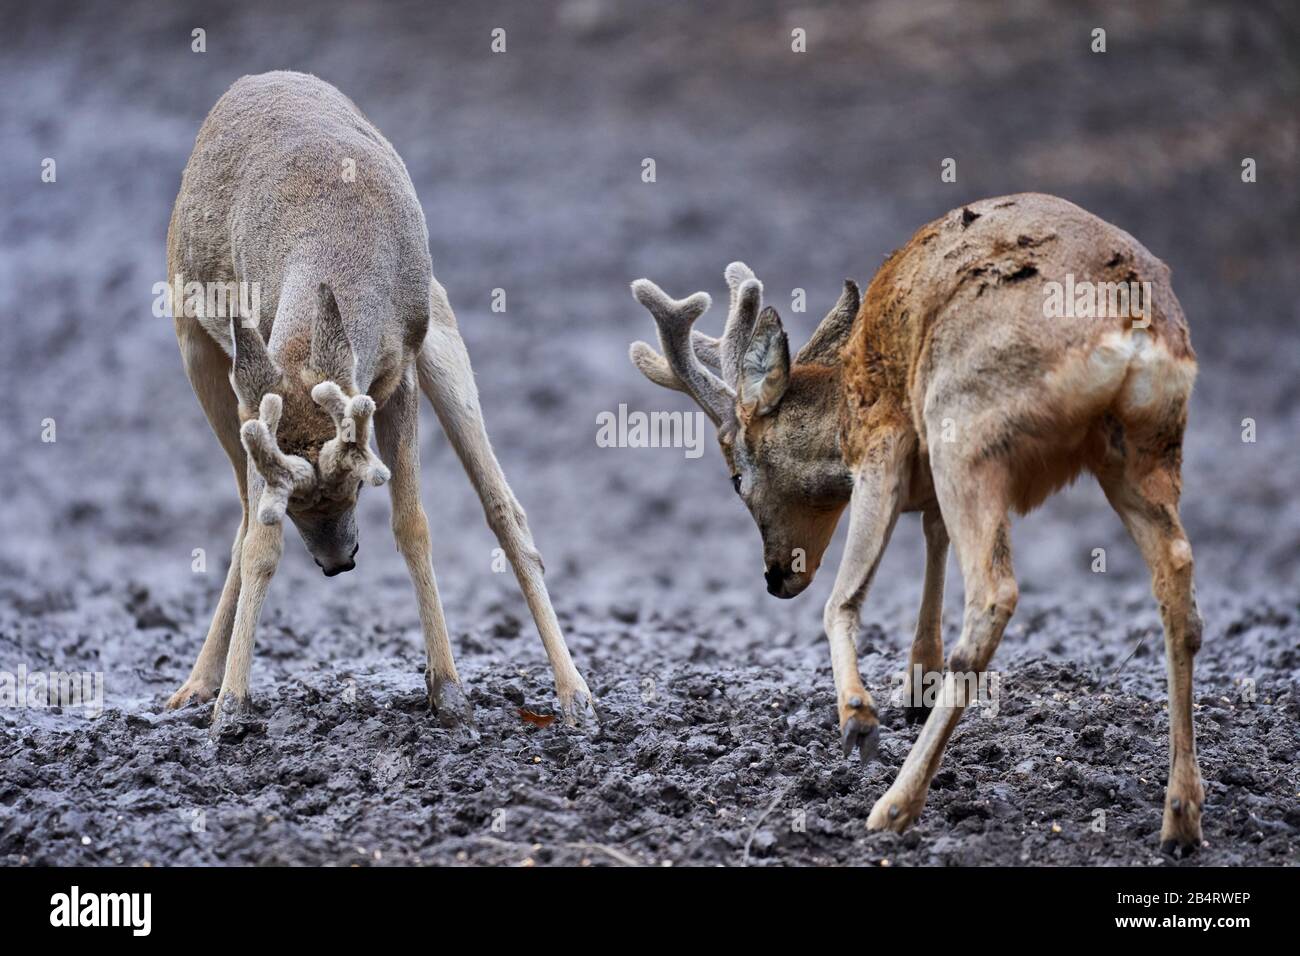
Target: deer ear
[
  {"x": 331, "y": 353},
  {"x": 252, "y": 371},
  {"x": 765, "y": 369}
]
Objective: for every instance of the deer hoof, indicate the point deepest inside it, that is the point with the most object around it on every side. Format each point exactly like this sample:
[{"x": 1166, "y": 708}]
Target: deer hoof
[
  {"x": 891, "y": 813},
  {"x": 227, "y": 717},
  {"x": 579, "y": 706},
  {"x": 859, "y": 727},
  {"x": 450, "y": 705},
  {"x": 1181, "y": 834},
  {"x": 861, "y": 734},
  {"x": 1179, "y": 849},
  {"x": 191, "y": 692}
]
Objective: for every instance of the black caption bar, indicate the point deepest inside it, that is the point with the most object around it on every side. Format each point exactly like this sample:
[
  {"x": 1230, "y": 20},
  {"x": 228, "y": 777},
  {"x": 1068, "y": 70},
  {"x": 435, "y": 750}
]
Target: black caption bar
[{"x": 138, "y": 906}]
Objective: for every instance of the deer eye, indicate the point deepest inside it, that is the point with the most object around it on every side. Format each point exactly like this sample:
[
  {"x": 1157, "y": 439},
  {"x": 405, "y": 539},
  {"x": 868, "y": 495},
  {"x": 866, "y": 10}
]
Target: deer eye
[{"x": 735, "y": 483}]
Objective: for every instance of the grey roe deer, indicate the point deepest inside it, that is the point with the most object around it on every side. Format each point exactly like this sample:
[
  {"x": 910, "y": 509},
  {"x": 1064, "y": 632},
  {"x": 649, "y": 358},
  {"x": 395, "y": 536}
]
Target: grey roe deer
[
  {"x": 947, "y": 391},
  {"x": 354, "y": 325}
]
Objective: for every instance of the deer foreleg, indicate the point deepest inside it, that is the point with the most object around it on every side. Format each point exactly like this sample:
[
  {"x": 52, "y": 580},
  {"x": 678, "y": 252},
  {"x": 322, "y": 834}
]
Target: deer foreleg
[
  {"x": 208, "y": 369},
  {"x": 205, "y": 677},
  {"x": 259, "y": 557},
  {"x": 878, "y": 488}
]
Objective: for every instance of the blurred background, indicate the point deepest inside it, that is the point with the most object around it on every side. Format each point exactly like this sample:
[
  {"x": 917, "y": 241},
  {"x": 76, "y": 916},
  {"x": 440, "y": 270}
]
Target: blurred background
[{"x": 811, "y": 167}]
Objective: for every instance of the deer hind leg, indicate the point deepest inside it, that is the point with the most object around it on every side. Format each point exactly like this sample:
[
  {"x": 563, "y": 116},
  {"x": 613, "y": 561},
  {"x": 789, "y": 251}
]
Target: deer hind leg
[
  {"x": 1144, "y": 490},
  {"x": 207, "y": 368},
  {"x": 925, "y": 663},
  {"x": 447, "y": 379},
  {"x": 975, "y": 500},
  {"x": 397, "y": 428}
]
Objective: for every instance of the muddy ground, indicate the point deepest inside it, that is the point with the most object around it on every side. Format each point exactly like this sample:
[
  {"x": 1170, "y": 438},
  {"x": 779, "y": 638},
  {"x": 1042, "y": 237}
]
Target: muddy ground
[{"x": 719, "y": 741}]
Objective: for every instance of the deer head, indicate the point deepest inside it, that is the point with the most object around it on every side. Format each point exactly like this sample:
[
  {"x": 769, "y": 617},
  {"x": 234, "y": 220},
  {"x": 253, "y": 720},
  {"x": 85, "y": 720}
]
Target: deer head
[
  {"x": 777, "y": 421},
  {"x": 320, "y": 497}
]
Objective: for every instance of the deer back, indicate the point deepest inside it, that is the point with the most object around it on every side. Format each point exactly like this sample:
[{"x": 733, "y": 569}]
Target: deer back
[
  {"x": 958, "y": 315},
  {"x": 291, "y": 187}
]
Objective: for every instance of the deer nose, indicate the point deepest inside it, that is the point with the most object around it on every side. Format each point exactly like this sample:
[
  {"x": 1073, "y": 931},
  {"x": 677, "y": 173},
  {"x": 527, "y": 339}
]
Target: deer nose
[
  {"x": 347, "y": 565},
  {"x": 775, "y": 577}
]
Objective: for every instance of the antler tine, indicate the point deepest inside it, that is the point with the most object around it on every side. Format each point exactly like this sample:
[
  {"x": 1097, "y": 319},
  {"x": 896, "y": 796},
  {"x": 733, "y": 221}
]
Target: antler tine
[
  {"x": 746, "y": 300},
  {"x": 656, "y": 368},
  {"x": 282, "y": 474},
  {"x": 736, "y": 274},
  {"x": 674, "y": 318},
  {"x": 349, "y": 451},
  {"x": 330, "y": 397},
  {"x": 361, "y": 410}
]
